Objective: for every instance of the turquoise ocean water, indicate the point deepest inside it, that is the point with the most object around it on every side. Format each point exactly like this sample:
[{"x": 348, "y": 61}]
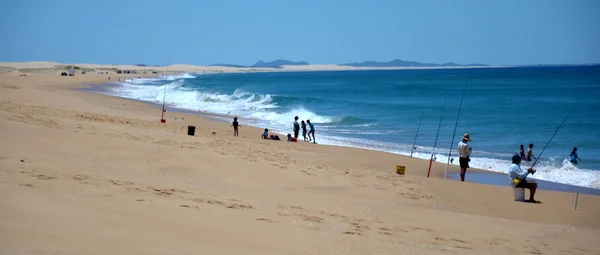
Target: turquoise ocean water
[{"x": 380, "y": 110}]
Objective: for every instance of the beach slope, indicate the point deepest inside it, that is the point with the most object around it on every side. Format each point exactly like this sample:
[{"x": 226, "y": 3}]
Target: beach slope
[{"x": 88, "y": 173}]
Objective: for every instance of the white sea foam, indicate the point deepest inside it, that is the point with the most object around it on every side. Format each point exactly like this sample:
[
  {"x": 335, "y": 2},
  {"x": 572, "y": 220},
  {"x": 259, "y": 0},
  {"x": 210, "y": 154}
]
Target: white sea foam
[
  {"x": 259, "y": 110},
  {"x": 559, "y": 171},
  {"x": 240, "y": 103}
]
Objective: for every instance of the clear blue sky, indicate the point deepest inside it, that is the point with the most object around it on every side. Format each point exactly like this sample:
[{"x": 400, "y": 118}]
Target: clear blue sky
[{"x": 244, "y": 31}]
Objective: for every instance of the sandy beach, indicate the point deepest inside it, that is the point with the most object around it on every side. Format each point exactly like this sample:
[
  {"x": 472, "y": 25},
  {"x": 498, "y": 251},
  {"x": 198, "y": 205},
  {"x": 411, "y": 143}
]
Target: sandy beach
[{"x": 88, "y": 173}]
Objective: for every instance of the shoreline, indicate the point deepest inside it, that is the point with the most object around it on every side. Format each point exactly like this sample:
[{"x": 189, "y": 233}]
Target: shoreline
[
  {"x": 482, "y": 176},
  {"x": 102, "y": 173}
]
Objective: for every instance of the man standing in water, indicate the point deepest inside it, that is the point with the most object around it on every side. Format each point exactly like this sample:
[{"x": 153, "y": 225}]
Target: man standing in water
[
  {"x": 296, "y": 127},
  {"x": 464, "y": 151}
]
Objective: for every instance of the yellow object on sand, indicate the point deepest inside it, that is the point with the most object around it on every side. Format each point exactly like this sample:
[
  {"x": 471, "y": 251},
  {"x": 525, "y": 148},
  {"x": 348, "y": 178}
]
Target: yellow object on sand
[{"x": 400, "y": 169}]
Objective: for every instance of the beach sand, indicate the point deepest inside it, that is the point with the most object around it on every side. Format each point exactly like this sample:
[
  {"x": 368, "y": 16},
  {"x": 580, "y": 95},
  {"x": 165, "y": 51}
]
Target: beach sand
[{"x": 87, "y": 173}]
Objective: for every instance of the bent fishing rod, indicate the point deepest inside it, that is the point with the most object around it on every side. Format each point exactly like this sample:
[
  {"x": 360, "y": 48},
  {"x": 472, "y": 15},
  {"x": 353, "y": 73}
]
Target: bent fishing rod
[
  {"x": 563, "y": 122},
  {"x": 436, "y": 137},
  {"x": 455, "y": 126}
]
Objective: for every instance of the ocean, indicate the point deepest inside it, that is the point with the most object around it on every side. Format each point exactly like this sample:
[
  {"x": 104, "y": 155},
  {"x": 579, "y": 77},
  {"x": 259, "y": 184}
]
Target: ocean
[{"x": 381, "y": 110}]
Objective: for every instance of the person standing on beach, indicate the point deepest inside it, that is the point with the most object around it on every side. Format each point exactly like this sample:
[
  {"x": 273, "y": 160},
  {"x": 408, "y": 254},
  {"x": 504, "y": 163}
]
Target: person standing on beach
[
  {"x": 312, "y": 131},
  {"x": 574, "y": 156},
  {"x": 518, "y": 177},
  {"x": 303, "y": 125},
  {"x": 296, "y": 127},
  {"x": 464, "y": 151},
  {"x": 235, "y": 126},
  {"x": 529, "y": 154}
]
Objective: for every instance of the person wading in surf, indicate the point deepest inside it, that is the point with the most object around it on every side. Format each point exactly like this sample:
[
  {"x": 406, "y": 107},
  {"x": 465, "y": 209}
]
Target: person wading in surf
[
  {"x": 522, "y": 152},
  {"x": 574, "y": 156},
  {"x": 464, "y": 151},
  {"x": 529, "y": 154}
]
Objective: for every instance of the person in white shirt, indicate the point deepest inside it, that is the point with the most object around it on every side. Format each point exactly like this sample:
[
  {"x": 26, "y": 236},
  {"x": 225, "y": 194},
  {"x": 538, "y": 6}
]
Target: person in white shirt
[
  {"x": 518, "y": 177},
  {"x": 464, "y": 151}
]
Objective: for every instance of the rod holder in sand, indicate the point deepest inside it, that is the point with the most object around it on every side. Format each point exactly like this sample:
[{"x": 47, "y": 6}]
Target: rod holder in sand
[{"x": 575, "y": 202}]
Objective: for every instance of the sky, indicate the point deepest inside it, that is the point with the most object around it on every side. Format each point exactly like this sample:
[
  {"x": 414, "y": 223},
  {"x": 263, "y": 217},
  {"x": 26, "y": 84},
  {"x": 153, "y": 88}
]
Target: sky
[{"x": 153, "y": 32}]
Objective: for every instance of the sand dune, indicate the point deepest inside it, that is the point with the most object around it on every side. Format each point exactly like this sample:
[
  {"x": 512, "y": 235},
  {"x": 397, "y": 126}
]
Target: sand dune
[
  {"x": 88, "y": 173},
  {"x": 54, "y": 67}
]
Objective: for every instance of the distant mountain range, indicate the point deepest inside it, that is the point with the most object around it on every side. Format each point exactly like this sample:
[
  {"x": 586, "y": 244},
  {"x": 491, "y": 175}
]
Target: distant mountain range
[
  {"x": 394, "y": 63},
  {"x": 273, "y": 64},
  {"x": 402, "y": 63}
]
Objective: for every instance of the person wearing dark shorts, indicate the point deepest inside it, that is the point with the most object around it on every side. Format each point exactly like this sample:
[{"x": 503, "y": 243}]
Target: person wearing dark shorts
[
  {"x": 518, "y": 177},
  {"x": 464, "y": 151}
]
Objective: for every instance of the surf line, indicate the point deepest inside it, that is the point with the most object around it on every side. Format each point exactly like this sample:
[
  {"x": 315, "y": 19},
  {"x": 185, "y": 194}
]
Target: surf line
[
  {"x": 436, "y": 136},
  {"x": 563, "y": 122},
  {"x": 455, "y": 126},
  {"x": 163, "y": 110}
]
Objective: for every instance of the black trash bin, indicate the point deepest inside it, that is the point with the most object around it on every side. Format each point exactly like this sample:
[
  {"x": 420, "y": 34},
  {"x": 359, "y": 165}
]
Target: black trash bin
[{"x": 191, "y": 130}]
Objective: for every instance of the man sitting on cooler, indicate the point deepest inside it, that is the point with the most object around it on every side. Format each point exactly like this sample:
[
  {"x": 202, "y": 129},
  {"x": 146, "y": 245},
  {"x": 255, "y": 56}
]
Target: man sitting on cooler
[{"x": 518, "y": 177}]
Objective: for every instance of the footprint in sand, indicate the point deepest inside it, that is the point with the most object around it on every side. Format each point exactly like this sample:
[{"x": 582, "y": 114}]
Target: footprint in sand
[
  {"x": 44, "y": 177},
  {"x": 120, "y": 183},
  {"x": 80, "y": 177},
  {"x": 230, "y": 206},
  {"x": 266, "y": 220},
  {"x": 189, "y": 206}
]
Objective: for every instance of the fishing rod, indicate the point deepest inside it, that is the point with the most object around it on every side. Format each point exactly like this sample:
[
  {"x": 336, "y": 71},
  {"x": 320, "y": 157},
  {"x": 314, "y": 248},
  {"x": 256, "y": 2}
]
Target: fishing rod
[
  {"x": 162, "y": 117},
  {"x": 436, "y": 137},
  {"x": 563, "y": 122},
  {"x": 455, "y": 126},
  {"x": 415, "y": 142}
]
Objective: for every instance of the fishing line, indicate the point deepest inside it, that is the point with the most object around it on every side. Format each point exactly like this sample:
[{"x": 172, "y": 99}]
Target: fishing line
[
  {"x": 436, "y": 136},
  {"x": 414, "y": 147},
  {"x": 455, "y": 126},
  {"x": 563, "y": 122}
]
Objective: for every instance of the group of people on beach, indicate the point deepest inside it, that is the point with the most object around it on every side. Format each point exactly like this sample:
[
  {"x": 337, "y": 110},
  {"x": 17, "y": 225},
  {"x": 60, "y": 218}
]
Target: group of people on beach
[
  {"x": 517, "y": 175},
  {"x": 304, "y": 133},
  {"x": 296, "y": 128},
  {"x": 526, "y": 156}
]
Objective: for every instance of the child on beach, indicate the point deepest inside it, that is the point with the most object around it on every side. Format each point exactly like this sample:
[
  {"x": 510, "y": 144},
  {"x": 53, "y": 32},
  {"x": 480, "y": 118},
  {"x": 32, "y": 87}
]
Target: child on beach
[
  {"x": 312, "y": 131},
  {"x": 291, "y": 139},
  {"x": 266, "y": 136},
  {"x": 574, "y": 156},
  {"x": 303, "y": 125},
  {"x": 235, "y": 126}
]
